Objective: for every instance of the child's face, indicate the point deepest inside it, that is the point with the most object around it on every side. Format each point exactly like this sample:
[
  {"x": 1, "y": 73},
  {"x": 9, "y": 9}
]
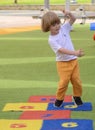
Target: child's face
[{"x": 54, "y": 29}]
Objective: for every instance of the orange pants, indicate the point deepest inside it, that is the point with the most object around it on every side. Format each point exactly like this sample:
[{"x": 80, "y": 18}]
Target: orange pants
[{"x": 68, "y": 71}]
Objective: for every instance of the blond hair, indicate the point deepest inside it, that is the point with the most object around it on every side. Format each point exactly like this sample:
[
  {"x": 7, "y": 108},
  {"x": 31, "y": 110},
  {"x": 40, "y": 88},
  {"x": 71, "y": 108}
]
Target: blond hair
[{"x": 48, "y": 19}]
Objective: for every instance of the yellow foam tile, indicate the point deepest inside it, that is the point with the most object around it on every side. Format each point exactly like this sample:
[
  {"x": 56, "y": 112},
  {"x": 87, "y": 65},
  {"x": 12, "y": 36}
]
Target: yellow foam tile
[
  {"x": 18, "y": 29},
  {"x": 20, "y": 124},
  {"x": 25, "y": 106}
]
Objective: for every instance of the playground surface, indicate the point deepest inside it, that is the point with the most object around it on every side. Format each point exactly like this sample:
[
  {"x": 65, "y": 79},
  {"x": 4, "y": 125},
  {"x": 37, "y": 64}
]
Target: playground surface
[{"x": 22, "y": 80}]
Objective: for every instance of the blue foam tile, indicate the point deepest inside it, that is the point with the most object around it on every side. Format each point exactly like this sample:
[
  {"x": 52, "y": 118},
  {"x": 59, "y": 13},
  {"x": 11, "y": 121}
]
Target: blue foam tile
[
  {"x": 87, "y": 106},
  {"x": 67, "y": 124},
  {"x": 92, "y": 26}
]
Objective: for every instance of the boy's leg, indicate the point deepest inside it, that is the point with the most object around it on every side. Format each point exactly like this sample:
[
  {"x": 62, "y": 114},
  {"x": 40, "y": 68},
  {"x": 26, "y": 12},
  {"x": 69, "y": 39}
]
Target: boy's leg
[
  {"x": 64, "y": 70},
  {"x": 63, "y": 83},
  {"x": 76, "y": 82},
  {"x": 77, "y": 85}
]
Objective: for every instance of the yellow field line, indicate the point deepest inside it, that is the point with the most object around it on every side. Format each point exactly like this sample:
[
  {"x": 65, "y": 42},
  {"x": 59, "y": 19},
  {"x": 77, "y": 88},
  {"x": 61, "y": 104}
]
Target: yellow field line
[{"x": 18, "y": 29}]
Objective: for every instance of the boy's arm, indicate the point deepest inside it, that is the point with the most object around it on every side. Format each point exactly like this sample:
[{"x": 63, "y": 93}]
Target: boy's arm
[
  {"x": 78, "y": 53},
  {"x": 70, "y": 16}
]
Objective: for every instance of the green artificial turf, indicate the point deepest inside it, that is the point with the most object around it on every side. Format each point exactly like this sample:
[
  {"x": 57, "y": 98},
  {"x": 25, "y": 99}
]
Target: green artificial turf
[
  {"x": 38, "y": 2},
  {"x": 28, "y": 67}
]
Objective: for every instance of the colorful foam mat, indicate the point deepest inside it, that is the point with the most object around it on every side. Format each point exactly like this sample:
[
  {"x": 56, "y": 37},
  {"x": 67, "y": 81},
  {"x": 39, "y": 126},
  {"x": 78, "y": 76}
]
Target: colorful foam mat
[
  {"x": 58, "y": 124},
  {"x": 20, "y": 124},
  {"x": 48, "y": 99},
  {"x": 25, "y": 106},
  {"x": 67, "y": 124},
  {"x": 87, "y": 106},
  {"x": 40, "y": 114},
  {"x": 46, "y": 115}
]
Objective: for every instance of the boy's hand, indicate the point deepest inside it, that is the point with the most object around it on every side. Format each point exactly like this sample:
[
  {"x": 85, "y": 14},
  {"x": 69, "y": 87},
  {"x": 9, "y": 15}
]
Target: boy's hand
[
  {"x": 66, "y": 13},
  {"x": 79, "y": 53}
]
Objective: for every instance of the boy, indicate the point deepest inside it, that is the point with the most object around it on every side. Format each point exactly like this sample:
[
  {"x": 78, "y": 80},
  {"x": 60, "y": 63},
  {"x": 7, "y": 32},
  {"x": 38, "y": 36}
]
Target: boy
[{"x": 66, "y": 56}]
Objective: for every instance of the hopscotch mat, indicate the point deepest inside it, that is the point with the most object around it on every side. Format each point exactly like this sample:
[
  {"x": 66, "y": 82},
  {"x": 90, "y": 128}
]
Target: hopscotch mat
[
  {"x": 43, "y": 115},
  {"x": 46, "y": 115},
  {"x": 87, "y": 106},
  {"x": 20, "y": 124},
  {"x": 67, "y": 124},
  {"x": 48, "y": 99},
  {"x": 25, "y": 106}
]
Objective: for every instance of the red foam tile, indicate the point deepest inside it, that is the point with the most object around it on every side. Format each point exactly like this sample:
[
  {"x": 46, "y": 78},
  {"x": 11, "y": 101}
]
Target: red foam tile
[
  {"x": 68, "y": 98},
  {"x": 46, "y": 115},
  {"x": 48, "y": 99}
]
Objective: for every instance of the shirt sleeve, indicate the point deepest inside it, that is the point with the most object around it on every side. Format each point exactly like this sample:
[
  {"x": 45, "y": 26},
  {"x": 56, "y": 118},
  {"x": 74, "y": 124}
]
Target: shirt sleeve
[
  {"x": 67, "y": 27},
  {"x": 54, "y": 45}
]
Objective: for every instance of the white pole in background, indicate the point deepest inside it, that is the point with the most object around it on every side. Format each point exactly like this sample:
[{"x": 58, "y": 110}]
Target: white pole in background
[
  {"x": 93, "y": 1},
  {"x": 67, "y": 5},
  {"x": 46, "y": 4}
]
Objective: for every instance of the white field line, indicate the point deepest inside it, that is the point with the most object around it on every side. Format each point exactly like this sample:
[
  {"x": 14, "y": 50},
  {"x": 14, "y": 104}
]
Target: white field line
[
  {"x": 4, "y": 61},
  {"x": 5, "y": 83},
  {"x": 33, "y": 38}
]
